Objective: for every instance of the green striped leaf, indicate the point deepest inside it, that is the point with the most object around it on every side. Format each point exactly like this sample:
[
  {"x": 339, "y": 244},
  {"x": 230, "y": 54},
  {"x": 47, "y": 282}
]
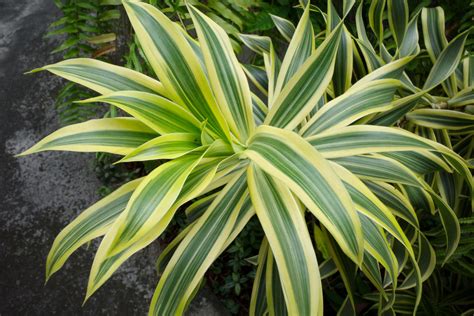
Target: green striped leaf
[
  {"x": 392, "y": 70},
  {"x": 167, "y": 253},
  {"x": 362, "y": 32},
  {"x": 263, "y": 45},
  {"x": 289, "y": 240},
  {"x": 103, "y": 77},
  {"x": 441, "y": 119},
  {"x": 307, "y": 85},
  {"x": 198, "y": 250},
  {"x": 275, "y": 297},
  {"x": 260, "y": 110},
  {"x": 433, "y": 31},
  {"x": 447, "y": 61},
  {"x": 379, "y": 168},
  {"x": 344, "y": 56},
  {"x": 368, "y": 204},
  {"x": 174, "y": 61},
  {"x": 111, "y": 135},
  {"x": 258, "y": 299},
  {"x": 259, "y": 44},
  {"x": 346, "y": 268},
  {"x": 433, "y": 23},
  {"x": 378, "y": 247},
  {"x": 376, "y": 11},
  {"x": 292, "y": 160},
  {"x": 357, "y": 102},
  {"x": 398, "y": 19},
  {"x": 160, "y": 114},
  {"x": 300, "y": 48},
  {"x": 284, "y": 26},
  {"x": 92, "y": 223},
  {"x": 366, "y": 139},
  {"x": 450, "y": 224},
  {"x": 399, "y": 108},
  {"x": 257, "y": 76},
  {"x": 151, "y": 201},
  {"x": 397, "y": 203},
  {"x": 409, "y": 45},
  {"x": 425, "y": 263},
  {"x": 226, "y": 76},
  {"x": 169, "y": 146},
  {"x": 462, "y": 98},
  {"x": 196, "y": 184},
  {"x": 420, "y": 162}
]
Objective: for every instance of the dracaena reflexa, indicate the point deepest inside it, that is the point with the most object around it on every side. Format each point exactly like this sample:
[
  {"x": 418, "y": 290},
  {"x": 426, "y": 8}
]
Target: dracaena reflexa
[
  {"x": 307, "y": 147},
  {"x": 436, "y": 106}
]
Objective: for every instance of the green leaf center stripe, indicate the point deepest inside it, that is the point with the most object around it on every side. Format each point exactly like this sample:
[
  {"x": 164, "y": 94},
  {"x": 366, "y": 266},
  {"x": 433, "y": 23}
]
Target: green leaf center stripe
[
  {"x": 186, "y": 86},
  {"x": 441, "y": 119},
  {"x": 394, "y": 200},
  {"x": 93, "y": 222},
  {"x": 315, "y": 186},
  {"x": 114, "y": 82},
  {"x": 230, "y": 78},
  {"x": 350, "y": 106},
  {"x": 378, "y": 168},
  {"x": 433, "y": 30},
  {"x": 152, "y": 195},
  {"x": 194, "y": 250},
  {"x": 284, "y": 227},
  {"x": 169, "y": 146},
  {"x": 165, "y": 116},
  {"x": 100, "y": 218},
  {"x": 294, "y": 98},
  {"x": 130, "y": 139},
  {"x": 300, "y": 48},
  {"x": 350, "y": 141},
  {"x": 197, "y": 181}
]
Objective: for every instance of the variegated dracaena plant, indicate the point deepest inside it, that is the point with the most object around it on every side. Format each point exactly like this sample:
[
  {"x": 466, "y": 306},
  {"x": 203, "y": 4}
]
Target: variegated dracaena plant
[
  {"x": 438, "y": 107},
  {"x": 302, "y": 151}
]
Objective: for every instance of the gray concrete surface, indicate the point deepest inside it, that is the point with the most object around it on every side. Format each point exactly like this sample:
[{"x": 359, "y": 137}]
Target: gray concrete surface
[{"x": 40, "y": 194}]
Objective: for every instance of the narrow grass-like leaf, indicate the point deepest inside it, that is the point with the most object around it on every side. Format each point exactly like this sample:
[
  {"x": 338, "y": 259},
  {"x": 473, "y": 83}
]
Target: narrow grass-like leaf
[
  {"x": 379, "y": 168},
  {"x": 226, "y": 75},
  {"x": 365, "y": 99},
  {"x": 447, "y": 61},
  {"x": 365, "y": 139},
  {"x": 103, "y": 266},
  {"x": 275, "y": 297},
  {"x": 368, "y": 204},
  {"x": 168, "y": 146},
  {"x": 92, "y": 223},
  {"x": 289, "y": 240},
  {"x": 198, "y": 250},
  {"x": 103, "y": 77},
  {"x": 344, "y": 56},
  {"x": 111, "y": 135},
  {"x": 441, "y": 119},
  {"x": 376, "y": 11},
  {"x": 409, "y": 45},
  {"x": 257, "y": 76},
  {"x": 307, "y": 85},
  {"x": 258, "y": 299},
  {"x": 398, "y": 19},
  {"x": 300, "y": 48},
  {"x": 151, "y": 201},
  {"x": 160, "y": 114},
  {"x": 284, "y": 26}
]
